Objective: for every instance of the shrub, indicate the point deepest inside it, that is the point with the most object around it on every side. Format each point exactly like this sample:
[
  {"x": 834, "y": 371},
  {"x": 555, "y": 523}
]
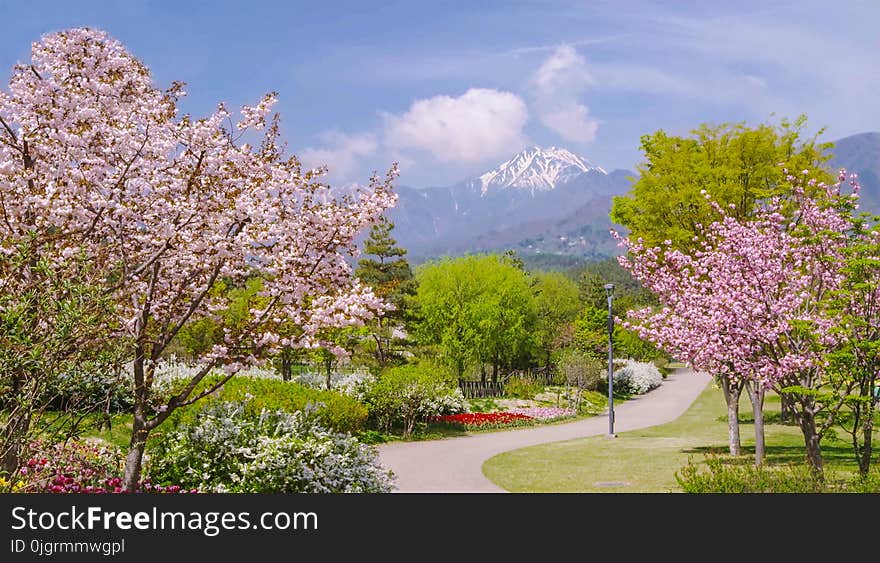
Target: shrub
[
  {"x": 718, "y": 477},
  {"x": 523, "y": 387},
  {"x": 346, "y": 383},
  {"x": 637, "y": 378},
  {"x": 335, "y": 410},
  {"x": 89, "y": 390},
  {"x": 231, "y": 447},
  {"x": 579, "y": 369},
  {"x": 662, "y": 364},
  {"x": 404, "y": 394}
]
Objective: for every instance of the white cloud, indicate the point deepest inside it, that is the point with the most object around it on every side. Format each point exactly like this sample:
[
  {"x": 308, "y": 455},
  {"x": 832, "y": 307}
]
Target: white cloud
[
  {"x": 480, "y": 124},
  {"x": 564, "y": 72},
  {"x": 572, "y": 123},
  {"x": 556, "y": 89},
  {"x": 343, "y": 155}
]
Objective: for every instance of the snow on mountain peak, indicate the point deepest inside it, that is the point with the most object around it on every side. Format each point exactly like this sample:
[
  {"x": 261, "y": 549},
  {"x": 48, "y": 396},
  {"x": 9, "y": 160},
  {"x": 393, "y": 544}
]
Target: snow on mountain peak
[{"x": 536, "y": 168}]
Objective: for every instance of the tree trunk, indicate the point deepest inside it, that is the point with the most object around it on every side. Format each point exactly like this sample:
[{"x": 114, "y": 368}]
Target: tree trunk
[
  {"x": 135, "y": 457},
  {"x": 867, "y": 430},
  {"x": 732, "y": 392},
  {"x": 380, "y": 351},
  {"x": 807, "y": 422},
  {"x": 495, "y": 372},
  {"x": 14, "y": 434},
  {"x": 285, "y": 364},
  {"x": 139, "y": 432},
  {"x": 867, "y": 448},
  {"x": 482, "y": 372},
  {"x": 21, "y": 401},
  {"x": 756, "y": 395},
  {"x": 785, "y": 403}
]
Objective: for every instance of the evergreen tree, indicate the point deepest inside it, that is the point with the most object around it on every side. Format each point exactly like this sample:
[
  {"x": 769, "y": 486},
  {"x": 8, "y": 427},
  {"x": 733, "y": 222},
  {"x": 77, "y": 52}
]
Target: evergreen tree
[{"x": 391, "y": 277}]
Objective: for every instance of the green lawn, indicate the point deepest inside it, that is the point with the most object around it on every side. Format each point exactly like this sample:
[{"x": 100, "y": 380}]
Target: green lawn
[
  {"x": 646, "y": 460},
  {"x": 118, "y": 435}
]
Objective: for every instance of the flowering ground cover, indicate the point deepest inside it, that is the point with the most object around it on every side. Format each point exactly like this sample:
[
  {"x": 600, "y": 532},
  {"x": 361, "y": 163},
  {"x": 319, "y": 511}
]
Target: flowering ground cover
[
  {"x": 484, "y": 420},
  {"x": 543, "y": 413},
  {"x": 77, "y": 467}
]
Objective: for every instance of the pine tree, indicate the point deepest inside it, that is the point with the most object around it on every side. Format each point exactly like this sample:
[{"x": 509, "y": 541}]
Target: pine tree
[{"x": 392, "y": 279}]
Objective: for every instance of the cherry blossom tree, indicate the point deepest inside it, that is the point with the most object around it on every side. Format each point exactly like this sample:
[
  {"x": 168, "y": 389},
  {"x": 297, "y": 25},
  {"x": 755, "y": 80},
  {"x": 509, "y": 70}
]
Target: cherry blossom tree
[
  {"x": 749, "y": 304},
  {"x": 96, "y": 161}
]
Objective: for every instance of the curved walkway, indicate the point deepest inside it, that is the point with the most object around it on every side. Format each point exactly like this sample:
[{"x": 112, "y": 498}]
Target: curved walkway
[{"x": 456, "y": 464}]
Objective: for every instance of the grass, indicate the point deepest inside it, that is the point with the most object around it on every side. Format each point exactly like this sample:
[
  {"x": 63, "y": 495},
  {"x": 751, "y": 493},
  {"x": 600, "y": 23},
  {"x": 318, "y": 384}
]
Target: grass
[
  {"x": 645, "y": 461},
  {"x": 119, "y": 434}
]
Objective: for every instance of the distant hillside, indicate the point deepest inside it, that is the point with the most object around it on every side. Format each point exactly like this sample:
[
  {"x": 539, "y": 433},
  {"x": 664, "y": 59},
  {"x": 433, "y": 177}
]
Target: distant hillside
[
  {"x": 861, "y": 154},
  {"x": 551, "y": 206},
  {"x": 543, "y": 201}
]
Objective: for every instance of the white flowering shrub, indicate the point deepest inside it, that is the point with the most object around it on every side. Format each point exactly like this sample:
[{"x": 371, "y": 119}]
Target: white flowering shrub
[
  {"x": 356, "y": 384},
  {"x": 405, "y": 394},
  {"x": 171, "y": 372},
  {"x": 637, "y": 378},
  {"x": 443, "y": 400},
  {"x": 226, "y": 447}
]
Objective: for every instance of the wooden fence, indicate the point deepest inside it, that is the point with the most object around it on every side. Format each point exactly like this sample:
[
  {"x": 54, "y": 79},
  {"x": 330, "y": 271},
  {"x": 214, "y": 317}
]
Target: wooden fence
[{"x": 480, "y": 390}]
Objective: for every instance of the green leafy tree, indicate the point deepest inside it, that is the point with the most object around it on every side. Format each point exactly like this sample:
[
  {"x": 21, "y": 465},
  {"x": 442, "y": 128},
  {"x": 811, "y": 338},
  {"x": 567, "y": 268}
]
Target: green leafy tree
[
  {"x": 392, "y": 279},
  {"x": 53, "y": 333},
  {"x": 737, "y": 165},
  {"x": 854, "y": 364},
  {"x": 199, "y": 335},
  {"x": 477, "y": 310},
  {"x": 557, "y": 304}
]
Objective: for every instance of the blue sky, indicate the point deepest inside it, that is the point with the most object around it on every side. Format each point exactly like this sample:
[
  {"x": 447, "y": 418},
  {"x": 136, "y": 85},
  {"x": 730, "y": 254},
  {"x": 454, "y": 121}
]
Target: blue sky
[{"x": 449, "y": 89}]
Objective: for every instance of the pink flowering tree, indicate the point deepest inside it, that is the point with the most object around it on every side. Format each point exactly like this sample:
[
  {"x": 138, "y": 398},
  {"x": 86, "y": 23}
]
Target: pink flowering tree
[
  {"x": 748, "y": 305},
  {"x": 96, "y": 161}
]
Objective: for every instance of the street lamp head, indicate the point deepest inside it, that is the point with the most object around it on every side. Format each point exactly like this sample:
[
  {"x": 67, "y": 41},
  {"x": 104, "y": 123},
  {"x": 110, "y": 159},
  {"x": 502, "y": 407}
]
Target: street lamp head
[{"x": 609, "y": 289}]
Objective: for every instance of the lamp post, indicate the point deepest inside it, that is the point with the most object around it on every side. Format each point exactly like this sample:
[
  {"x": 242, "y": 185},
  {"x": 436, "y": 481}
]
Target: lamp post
[{"x": 609, "y": 292}]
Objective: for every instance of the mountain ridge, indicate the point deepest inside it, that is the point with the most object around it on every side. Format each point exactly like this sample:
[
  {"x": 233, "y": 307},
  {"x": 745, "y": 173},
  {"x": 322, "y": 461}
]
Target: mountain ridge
[
  {"x": 535, "y": 168},
  {"x": 548, "y": 201}
]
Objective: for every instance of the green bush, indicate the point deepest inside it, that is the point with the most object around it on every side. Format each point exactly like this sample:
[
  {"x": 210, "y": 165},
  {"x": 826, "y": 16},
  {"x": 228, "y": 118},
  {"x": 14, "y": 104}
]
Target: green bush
[
  {"x": 89, "y": 389},
  {"x": 719, "y": 477},
  {"x": 235, "y": 447},
  {"x": 335, "y": 410},
  {"x": 404, "y": 394},
  {"x": 523, "y": 387},
  {"x": 579, "y": 369},
  {"x": 662, "y": 364}
]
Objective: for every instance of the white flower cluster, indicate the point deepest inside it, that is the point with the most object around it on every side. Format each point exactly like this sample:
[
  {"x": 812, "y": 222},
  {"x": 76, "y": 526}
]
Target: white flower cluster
[
  {"x": 228, "y": 449},
  {"x": 356, "y": 384},
  {"x": 444, "y": 401},
  {"x": 348, "y": 383},
  {"x": 638, "y": 378}
]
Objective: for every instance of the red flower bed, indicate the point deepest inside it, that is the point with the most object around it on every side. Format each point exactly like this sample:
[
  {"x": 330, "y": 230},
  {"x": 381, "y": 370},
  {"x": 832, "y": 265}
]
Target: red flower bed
[{"x": 483, "y": 419}]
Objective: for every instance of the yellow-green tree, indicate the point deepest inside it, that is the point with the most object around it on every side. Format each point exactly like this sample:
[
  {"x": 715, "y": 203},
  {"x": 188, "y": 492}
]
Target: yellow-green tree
[
  {"x": 736, "y": 164},
  {"x": 477, "y": 309}
]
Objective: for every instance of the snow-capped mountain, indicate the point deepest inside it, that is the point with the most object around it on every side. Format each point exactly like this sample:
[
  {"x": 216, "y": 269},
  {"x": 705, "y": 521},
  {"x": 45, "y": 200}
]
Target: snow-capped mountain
[
  {"x": 535, "y": 168},
  {"x": 543, "y": 199},
  {"x": 549, "y": 202}
]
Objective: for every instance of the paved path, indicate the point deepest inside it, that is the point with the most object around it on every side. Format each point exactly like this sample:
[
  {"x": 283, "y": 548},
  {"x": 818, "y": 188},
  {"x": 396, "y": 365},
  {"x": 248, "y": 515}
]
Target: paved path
[{"x": 456, "y": 464}]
